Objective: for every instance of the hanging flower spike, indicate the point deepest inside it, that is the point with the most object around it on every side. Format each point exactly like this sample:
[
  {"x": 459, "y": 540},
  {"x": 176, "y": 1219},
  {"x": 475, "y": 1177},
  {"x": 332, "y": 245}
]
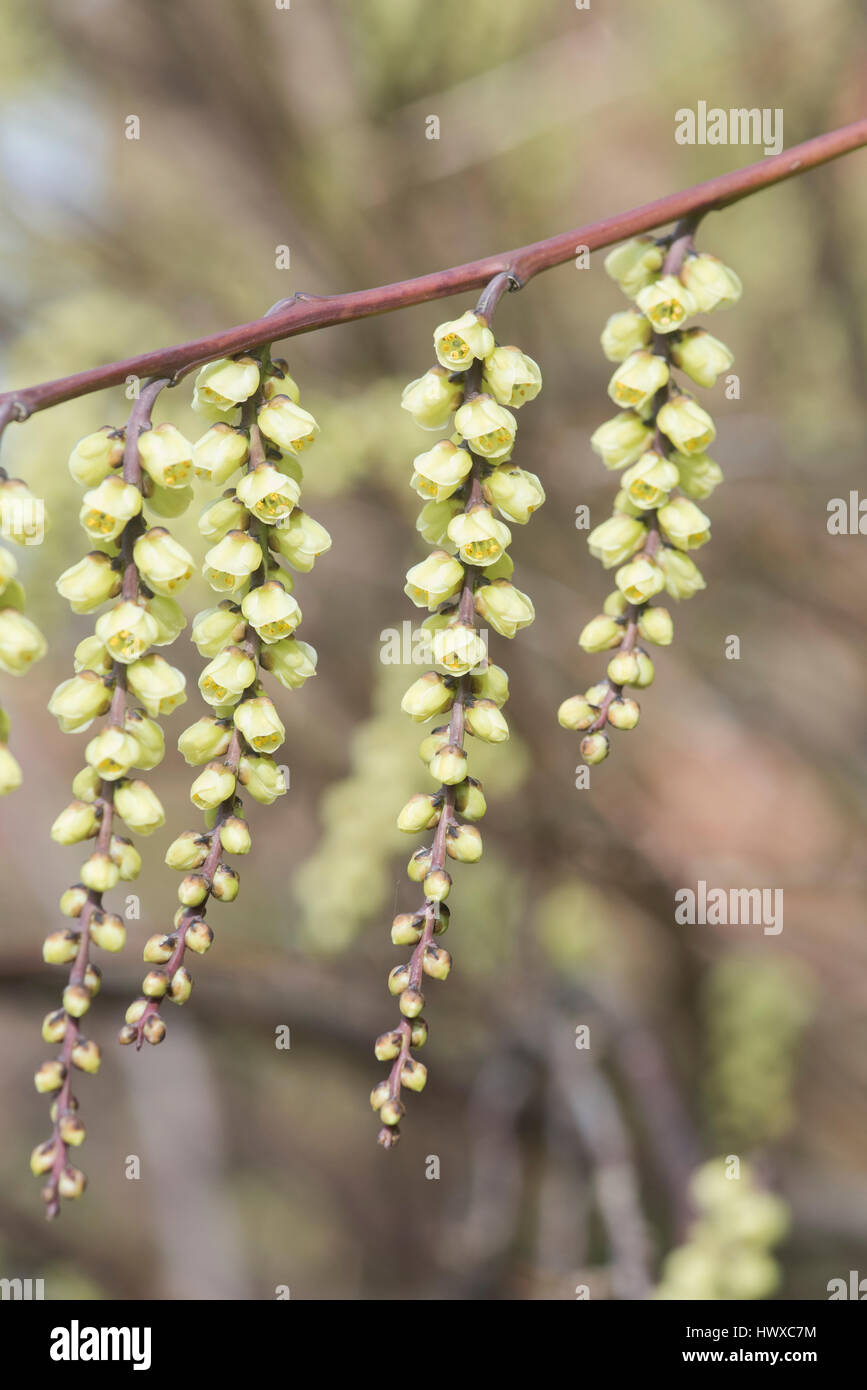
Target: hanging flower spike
[
  {"x": 251, "y": 629},
  {"x": 660, "y": 439},
  {"x": 465, "y": 580},
  {"x": 136, "y": 570},
  {"x": 21, "y": 642}
]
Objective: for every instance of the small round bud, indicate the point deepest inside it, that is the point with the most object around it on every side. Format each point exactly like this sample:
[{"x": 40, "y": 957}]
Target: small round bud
[
  {"x": 437, "y": 885},
  {"x": 411, "y": 1003},
  {"x": 656, "y": 625},
  {"x": 158, "y": 949},
  {"x": 226, "y": 884},
  {"x": 623, "y": 668},
  {"x": 413, "y": 1075},
  {"x": 92, "y": 979},
  {"x": 72, "y": 1130},
  {"x": 192, "y": 890},
  {"x": 107, "y": 931},
  {"x": 42, "y": 1158},
  {"x": 155, "y": 984},
  {"x": 398, "y": 979},
  {"x": 50, "y": 1077},
  {"x": 379, "y": 1095},
  {"x": 135, "y": 1011},
  {"x": 154, "y": 1030},
  {"x": 54, "y": 1026},
  {"x": 436, "y": 962},
  {"x": 235, "y": 836},
  {"x": 576, "y": 713},
  {"x": 623, "y": 713},
  {"x": 464, "y": 843},
  {"x": 646, "y": 671},
  {"x": 181, "y": 986},
  {"x": 76, "y": 1000},
  {"x": 99, "y": 872},
  {"x": 73, "y": 900},
  {"x": 127, "y": 1034},
  {"x": 388, "y": 1046},
  {"x": 198, "y": 937},
  {"x": 595, "y": 748},
  {"x": 71, "y": 1182},
  {"x": 419, "y": 1034},
  {"x": 86, "y": 1056},
  {"x": 419, "y": 866},
  {"x": 392, "y": 1112},
  {"x": 61, "y": 947},
  {"x": 406, "y": 929}
]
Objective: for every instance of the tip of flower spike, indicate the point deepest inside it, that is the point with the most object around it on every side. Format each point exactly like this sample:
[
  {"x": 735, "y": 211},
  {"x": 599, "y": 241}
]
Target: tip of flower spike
[{"x": 388, "y": 1137}]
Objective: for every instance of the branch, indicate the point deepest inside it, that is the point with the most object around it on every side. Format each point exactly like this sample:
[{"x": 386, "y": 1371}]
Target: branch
[{"x": 304, "y": 313}]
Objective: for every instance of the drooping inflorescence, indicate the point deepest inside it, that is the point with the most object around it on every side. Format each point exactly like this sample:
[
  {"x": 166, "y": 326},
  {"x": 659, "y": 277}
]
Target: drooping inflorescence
[
  {"x": 465, "y": 584},
  {"x": 22, "y": 520},
  {"x": 660, "y": 438},
  {"x": 250, "y": 527},
  {"x": 136, "y": 570}
]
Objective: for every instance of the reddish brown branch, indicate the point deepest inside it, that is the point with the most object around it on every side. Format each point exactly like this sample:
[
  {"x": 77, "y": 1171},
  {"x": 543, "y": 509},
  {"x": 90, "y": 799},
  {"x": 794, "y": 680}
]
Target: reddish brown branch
[{"x": 304, "y": 313}]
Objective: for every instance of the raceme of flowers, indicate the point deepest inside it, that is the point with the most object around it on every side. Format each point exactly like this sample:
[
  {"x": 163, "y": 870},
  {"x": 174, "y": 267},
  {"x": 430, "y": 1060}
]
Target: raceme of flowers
[
  {"x": 251, "y": 527},
  {"x": 133, "y": 573},
  {"x": 471, "y": 489},
  {"x": 660, "y": 439}
]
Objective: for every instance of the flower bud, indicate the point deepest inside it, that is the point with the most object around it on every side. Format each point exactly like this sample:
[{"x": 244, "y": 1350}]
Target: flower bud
[
  {"x": 99, "y": 873},
  {"x": 511, "y": 377},
  {"x": 77, "y": 822},
  {"x": 640, "y": 580},
  {"x": 159, "y": 686},
  {"x": 656, "y": 625},
  {"x": 459, "y": 341},
  {"x": 166, "y": 456},
  {"x": 76, "y": 1000},
  {"x": 205, "y": 740},
  {"x": 96, "y": 455},
  {"x": 623, "y": 714},
  {"x": 139, "y": 807},
  {"x": 379, "y": 1095},
  {"x": 648, "y": 482},
  {"x": 413, "y": 1075},
  {"x": 437, "y": 885},
  {"x": 92, "y": 979},
  {"x": 406, "y": 930},
  {"x": 153, "y": 1030},
  {"x": 667, "y": 303},
  {"x": 637, "y": 380},
  {"x": 431, "y": 694},
  {"x": 189, "y": 850},
  {"x": 485, "y": 721},
  {"x": 291, "y": 662},
  {"x": 488, "y": 428},
  {"x": 576, "y": 713},
  {"x": 614, "y": 540},
  {"x": 300, "y": 540},
  {"x": 515, "y": 493},
  {"x": 212, "y": 787},
  {"x": 223, "y": 515},
  {"x": 433, "y": 520},
  {"x": 262, "y": 778},
  {"x": 154, "y": 985},
  {"x": 439, "y": 472},
  {"x": 634, "y": 264},
  {"x": 112, "y": 753},
  {"x": 235, "y": 836},
  {"x": 54, "y": 1026},
  {"x": 258, "y": 721},
  {"x": 198, "y": 937},
  {"x": 148, "y": 736},
  {"x": 89, "y": 583},
  {"x": 625, "y": 333},
  {"x": 10, "y": 772},
  {"x": 464, "y": 843},
  {"x": 61, "y": 947},
  {"x": 71, "y": 1129},
  {"x": 107, "y": 931},
  {"x": 181, "y": 986},
  {"x": 92, "y": 655},
  {"x": 135, "y": 1011},
  {"x": 595, "y": 748},
  {"x": 50, "y": 1077},
  {"x": 683, "y": 524},
  {"x": 220, "y": 452},
  {"x": 163, "y": 563},
  {"x": 436, "y": 962},
  {"x": 226, "y": 884},
  {"x": 76, "y": 702},
  {"x": 421, "y": 812},
  {"x": 686, "y": 424},
  {"x": 287, "y": 425},
  {"x": 449, "y": 765},
  {"x": 224, "y": 384},
  {"x": 432, "y": 398},
  {"x": 71, "y": 1183},
  {"x": 86, "y": 1056},
  {"x": 272, "y": 611},
  {"x": 388, "y": 1046},
  {"x": 711, "y": 284},
  {"x": 622, "y": 440},
  {"x": 411, "y": 1005},
  {"x": 623, "y": 668},
  {"x": 491, "y": 683},
  {"x": 107, "y": 508},
  {"x": 192, "y": 890},
  {"x": 683, "y": 578},
  {"x": 702, "y": 356},
  {"x": 600, "y": 635},
  {"x": 21, "y": 642},
  {"x": 646, "y": 670}
]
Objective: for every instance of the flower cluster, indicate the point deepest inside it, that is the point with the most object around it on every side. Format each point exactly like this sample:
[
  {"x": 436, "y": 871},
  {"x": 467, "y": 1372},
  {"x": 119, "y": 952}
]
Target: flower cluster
[
  {"x": 258, "y": 432},
  {"x": 659, "y": 437},
  {"x": 21, "y": 642},
  {"x": 471, "y": 489},
  {"x": 135, "y": 571}
]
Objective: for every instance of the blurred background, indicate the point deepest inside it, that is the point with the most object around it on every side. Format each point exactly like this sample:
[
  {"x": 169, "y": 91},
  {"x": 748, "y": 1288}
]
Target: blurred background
[{"x": 557, "y": 1167}]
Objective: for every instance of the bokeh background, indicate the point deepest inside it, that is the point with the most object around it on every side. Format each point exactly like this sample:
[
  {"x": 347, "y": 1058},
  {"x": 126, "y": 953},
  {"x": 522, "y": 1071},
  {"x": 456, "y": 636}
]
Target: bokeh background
[{"x": 306, "y": 127}]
